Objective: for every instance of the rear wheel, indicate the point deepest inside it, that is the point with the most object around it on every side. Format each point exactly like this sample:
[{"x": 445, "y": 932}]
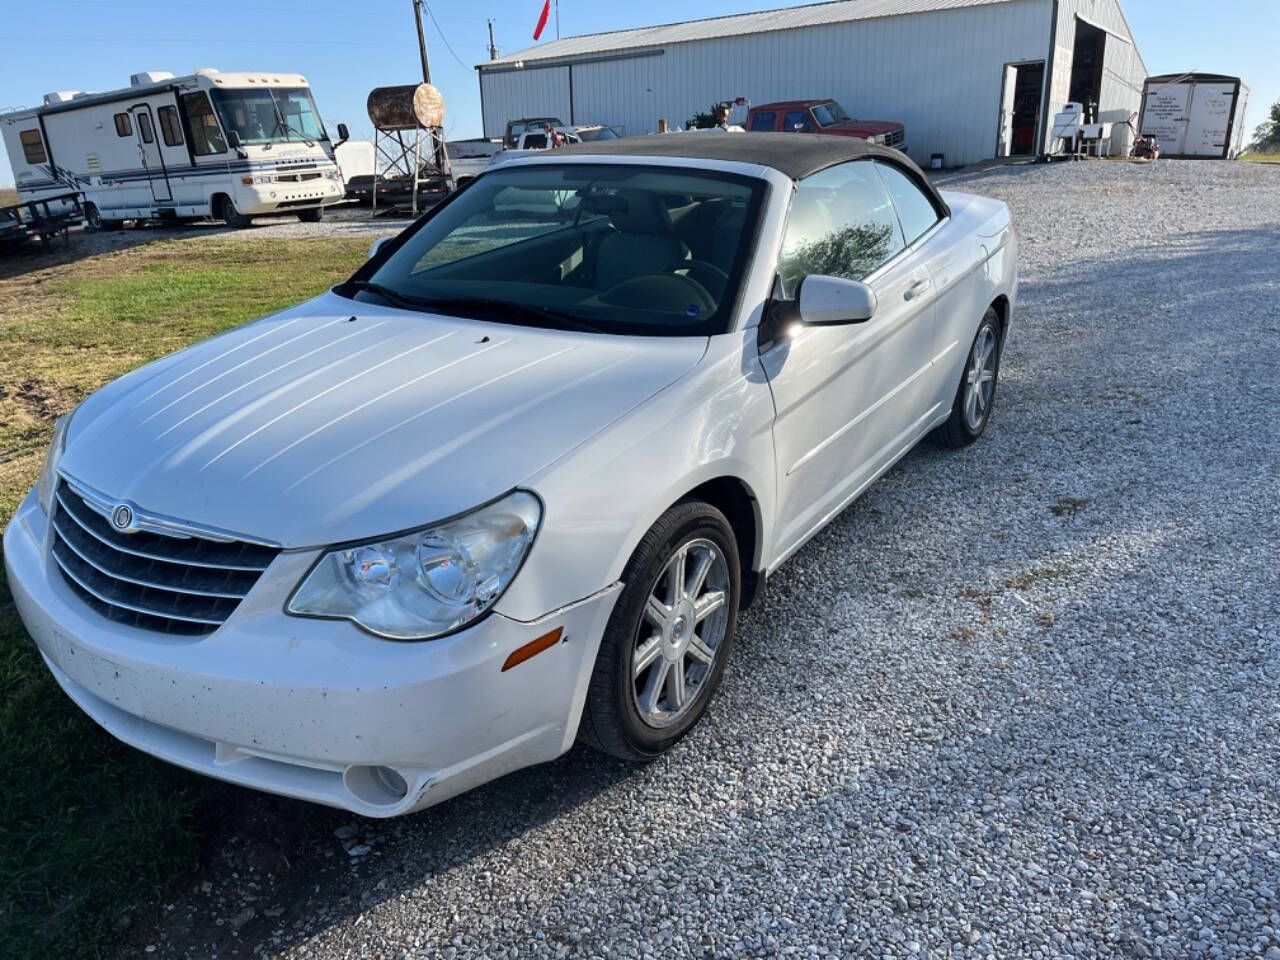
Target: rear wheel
[
  {"x": 92, "y": 218},
  {"x": 311, "y": 216},
  {"x": 227, "y": 212},
  {"x": 664, "y": 650},
  {"x": 976, "y": 394}
]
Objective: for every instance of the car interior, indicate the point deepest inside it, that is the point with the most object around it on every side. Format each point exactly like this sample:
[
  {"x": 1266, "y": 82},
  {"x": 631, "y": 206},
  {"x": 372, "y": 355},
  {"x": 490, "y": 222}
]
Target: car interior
[{"x": 653, "y": 250}]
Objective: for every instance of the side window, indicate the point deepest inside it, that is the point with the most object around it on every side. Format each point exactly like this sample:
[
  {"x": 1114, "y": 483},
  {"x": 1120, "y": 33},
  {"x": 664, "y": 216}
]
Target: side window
[
  {"x": 797, "y": 120},
  {"x": 915, "y": 210},
  {"x": 144, "y": 128},
  {"x": 170, "y": 129},
  {"x": 32, "y": 146},
  {"x": 842, "y": 224},
  {"x": 206, "y": 137},
  {"x": 764, "y": 121},
  {"x": 534, "y": 141},
  {"x": 123, "y": 127}
]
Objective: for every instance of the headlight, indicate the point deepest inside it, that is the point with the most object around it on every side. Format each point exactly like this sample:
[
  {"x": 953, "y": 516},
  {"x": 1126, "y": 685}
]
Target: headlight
[
  {"x": 260, "y": 178},
  {"x": 332, "y": 174},
  {"x": 426, "y": 583},
  {"x": 48, "y": 481},
  {"x": 878, "y": 138}
]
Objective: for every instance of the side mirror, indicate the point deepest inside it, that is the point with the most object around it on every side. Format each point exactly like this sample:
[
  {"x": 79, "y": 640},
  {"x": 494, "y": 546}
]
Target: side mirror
[
  {"x": 343, "y": 133},
  {"x": 829, "y": 301},
  {"x": 233, "y": 139},
  {"x": 376, "y": 246}
]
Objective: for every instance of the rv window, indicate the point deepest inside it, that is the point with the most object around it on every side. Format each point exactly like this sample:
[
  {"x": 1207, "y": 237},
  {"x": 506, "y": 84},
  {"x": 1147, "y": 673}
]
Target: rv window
[
  {"x": 144, "y": 128},
  {"x": 169, "y": 129},
  {"x": 202, "y": 126},
  {"x": 32, "y": 146},
  {"x": 123, "y": 127}
]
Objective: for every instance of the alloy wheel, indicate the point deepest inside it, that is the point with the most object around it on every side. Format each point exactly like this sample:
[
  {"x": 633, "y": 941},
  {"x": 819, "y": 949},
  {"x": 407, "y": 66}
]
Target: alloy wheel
[
  {"x": 980, "y": 378},
  {"x": 682, "y": 631}
]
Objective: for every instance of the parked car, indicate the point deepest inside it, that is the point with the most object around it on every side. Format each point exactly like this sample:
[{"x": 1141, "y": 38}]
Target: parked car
[
  {"x": 515, "y": 128},
  {"x": 510, "y": 485},
  {"x": 824, "y": 116},
  {"x": 536, "y": 141}
]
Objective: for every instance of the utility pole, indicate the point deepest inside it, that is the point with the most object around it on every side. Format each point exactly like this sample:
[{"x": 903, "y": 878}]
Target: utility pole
[
  {"x": 438, "y": 152},
  {"x": 493, "y": 50},
  {"x": 422, "y": 40},
  {"x": 557, "y": 19}
]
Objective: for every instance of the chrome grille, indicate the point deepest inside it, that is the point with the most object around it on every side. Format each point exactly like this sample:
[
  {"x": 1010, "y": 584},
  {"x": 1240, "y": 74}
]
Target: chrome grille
[
  {"x": 178, "y": 585},
  {"x": 895, "y": 138}
]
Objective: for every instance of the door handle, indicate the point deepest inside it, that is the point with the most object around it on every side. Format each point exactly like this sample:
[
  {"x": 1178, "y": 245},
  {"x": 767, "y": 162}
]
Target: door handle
[{"x": 915, "y": 289}]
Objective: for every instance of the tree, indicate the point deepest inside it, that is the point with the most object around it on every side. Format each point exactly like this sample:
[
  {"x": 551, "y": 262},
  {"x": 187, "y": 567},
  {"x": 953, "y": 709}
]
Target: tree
[{"x": 1266, "y": 139}]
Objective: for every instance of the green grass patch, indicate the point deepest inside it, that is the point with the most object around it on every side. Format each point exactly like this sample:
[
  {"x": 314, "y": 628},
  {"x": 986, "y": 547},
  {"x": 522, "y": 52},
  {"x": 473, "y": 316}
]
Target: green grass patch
[
  {"x": 1260, "y": 157},
  {"x": 94, "y": 831}
]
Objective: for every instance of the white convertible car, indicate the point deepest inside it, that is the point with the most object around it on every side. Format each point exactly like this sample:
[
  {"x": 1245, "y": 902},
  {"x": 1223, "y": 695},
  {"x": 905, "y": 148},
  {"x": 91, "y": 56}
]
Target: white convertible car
[{"x": 510, "y": 485}]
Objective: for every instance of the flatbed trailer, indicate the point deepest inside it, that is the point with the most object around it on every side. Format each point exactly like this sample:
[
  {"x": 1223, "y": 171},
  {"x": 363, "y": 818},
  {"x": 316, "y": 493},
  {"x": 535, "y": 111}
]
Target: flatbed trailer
[{"x": 44, "y": 219}]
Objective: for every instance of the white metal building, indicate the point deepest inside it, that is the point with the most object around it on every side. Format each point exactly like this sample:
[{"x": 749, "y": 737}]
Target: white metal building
[{"x": 966, "y": 77}]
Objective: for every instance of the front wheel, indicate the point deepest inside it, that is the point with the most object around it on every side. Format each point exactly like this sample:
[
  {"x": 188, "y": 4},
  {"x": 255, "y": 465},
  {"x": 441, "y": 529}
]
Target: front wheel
[
  {"x": 976, "y": 394},
  {"x": 311, "y": 216},
  {"x": 664, "y": 650},
  {"x": 230, "y": 215}
]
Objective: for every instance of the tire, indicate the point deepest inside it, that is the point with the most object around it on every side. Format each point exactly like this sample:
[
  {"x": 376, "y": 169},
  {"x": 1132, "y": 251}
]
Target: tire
[
  {"x": 970, "y": 411},
  {"x": 92, "y": 219},
  {"x": 228, "y": 213},
  {"x": 311, "y": 216},
  {"x": 613, "y": 719}
]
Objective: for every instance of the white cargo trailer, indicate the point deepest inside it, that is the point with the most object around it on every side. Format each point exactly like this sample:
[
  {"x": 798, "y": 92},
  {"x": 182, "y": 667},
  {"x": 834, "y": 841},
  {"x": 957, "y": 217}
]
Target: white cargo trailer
[
  {"x": 1199, "y": 115},
  {"x": 227, "y": 145}
]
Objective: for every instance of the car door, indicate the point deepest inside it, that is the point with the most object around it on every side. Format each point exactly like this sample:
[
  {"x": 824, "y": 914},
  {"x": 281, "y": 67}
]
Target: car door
[
  {"x": 955, "y": 263},
  {"x": 848, "y": 398}
]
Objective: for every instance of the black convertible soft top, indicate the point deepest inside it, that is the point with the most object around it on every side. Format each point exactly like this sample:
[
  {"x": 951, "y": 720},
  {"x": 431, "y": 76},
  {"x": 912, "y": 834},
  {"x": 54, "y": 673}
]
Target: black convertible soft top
[{"x": 797, "y": 155}]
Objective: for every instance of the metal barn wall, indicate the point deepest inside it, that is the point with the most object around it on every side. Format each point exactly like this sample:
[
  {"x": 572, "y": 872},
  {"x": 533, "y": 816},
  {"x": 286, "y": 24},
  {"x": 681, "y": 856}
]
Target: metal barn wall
[
  {"x": 527, "y": 93},
  {"x": 1123, "y": 70},
  {"x": 939, "y": 73}
]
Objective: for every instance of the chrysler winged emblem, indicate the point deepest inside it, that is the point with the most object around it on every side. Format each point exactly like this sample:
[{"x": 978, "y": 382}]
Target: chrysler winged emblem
[{"x": 122, "y": 517}]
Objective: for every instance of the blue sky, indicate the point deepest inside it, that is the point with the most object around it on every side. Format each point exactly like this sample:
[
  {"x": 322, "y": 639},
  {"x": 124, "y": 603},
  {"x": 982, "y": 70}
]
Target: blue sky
[{"x": 346, "y": 47}]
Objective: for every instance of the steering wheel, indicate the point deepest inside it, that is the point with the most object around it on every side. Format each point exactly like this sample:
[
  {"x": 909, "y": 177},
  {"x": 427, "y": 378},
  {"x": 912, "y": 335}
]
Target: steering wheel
[{"x": 709, "y": 271}]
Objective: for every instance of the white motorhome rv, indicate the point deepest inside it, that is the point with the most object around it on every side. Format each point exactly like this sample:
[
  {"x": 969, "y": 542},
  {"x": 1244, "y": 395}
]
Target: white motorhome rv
[{"x": 226, "y": 145}]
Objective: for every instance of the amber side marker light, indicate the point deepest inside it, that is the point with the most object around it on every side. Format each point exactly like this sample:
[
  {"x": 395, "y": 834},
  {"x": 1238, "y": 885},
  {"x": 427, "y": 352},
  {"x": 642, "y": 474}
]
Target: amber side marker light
[{"x": 532, "y": 648}]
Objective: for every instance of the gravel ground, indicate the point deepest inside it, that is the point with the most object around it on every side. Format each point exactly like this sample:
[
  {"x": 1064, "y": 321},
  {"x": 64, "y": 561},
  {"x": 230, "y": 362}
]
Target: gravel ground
[{"x": 1019, "y": 701}]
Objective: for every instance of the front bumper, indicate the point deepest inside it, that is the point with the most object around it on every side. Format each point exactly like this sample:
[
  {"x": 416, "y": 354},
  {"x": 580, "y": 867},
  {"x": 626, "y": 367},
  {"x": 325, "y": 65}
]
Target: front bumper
[
  {"x": 314, "y": 709},
  {"x": 286, "y": 197}
]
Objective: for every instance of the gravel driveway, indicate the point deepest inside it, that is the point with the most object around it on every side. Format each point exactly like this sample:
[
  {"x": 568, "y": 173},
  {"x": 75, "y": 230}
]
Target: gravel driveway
[{"x": 1019, "y": 701}]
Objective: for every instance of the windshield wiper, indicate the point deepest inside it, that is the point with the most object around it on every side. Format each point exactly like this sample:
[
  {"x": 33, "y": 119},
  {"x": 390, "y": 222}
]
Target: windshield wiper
[
  {"x": 529, "y": 314},
  {"x": 391, "y": 296}
]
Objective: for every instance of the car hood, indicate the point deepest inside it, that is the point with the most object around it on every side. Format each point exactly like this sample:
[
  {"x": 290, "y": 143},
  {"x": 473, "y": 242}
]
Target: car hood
[
  {"x": 862, "y": 128},
  {"x": 338, "y": 420}
]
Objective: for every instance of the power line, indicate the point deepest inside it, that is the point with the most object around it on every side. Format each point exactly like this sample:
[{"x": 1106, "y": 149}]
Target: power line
[{"x": 448, "y": 46}]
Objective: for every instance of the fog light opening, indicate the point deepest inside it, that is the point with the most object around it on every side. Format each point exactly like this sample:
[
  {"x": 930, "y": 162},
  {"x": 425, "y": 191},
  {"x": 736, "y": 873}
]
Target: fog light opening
[{"x": 379, "y": 786}]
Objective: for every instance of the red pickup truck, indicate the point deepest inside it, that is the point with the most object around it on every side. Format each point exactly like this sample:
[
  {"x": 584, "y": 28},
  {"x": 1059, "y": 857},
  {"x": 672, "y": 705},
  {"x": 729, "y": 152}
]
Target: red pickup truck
[{"x": 824, "y": 116}]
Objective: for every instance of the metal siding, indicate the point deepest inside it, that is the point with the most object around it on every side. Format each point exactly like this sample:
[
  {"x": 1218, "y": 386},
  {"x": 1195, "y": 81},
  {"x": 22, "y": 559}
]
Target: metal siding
[
  {"x": 524, "y": 93},
  {"x": 765, "y": 21},
  {"x": 938, "y": 73}
]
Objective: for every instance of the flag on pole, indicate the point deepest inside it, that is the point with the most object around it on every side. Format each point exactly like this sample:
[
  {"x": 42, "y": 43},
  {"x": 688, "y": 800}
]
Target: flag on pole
[{"x": 542, "y": 19}]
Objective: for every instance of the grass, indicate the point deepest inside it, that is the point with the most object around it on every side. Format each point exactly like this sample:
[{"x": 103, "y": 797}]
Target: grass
[
  {"x": 94, "y": 831},
  {"x": 8, "y": 196},
  {"x": 1260, "y": 157}
]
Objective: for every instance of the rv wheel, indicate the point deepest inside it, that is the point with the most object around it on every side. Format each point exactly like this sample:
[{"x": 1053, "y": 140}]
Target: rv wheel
[
  {"x": 311, "y": 216},
  {"x": 92, "y": 218},
  {"x": 234, "y": 218}
]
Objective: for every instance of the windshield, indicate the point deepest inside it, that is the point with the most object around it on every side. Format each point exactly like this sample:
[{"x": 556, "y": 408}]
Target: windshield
[
  {"x": 269, "y": 114},
  {"x": 655, "y": 251},
  {"x": 830, "y": 113}
]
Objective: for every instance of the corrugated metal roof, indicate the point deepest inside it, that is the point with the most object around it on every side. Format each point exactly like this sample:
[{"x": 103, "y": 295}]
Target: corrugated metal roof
[{"x": 838, "y": 11}]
